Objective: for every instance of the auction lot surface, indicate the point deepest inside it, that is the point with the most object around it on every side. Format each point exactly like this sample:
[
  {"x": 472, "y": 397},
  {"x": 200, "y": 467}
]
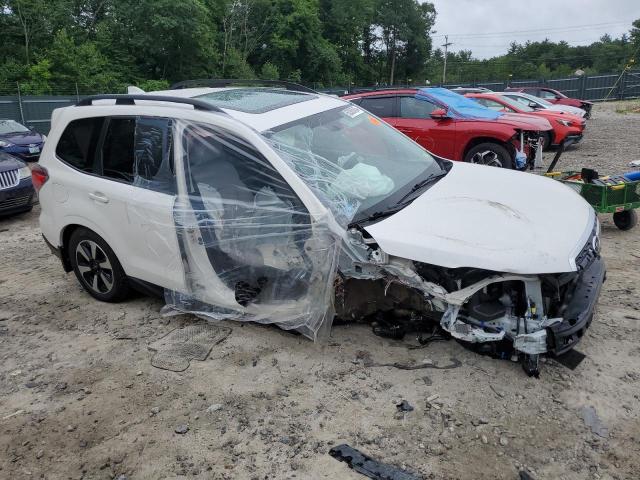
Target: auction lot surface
[{"x": 79, "y": 397}]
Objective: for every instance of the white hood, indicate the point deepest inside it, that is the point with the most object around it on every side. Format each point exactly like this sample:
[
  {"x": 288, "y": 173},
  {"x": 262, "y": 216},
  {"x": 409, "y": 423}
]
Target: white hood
[
  {"x": 490, "y": 218},
  {"x": 567, "y": 109}
]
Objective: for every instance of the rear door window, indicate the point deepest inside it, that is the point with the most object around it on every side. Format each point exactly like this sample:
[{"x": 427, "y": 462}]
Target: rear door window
[
  {"x": 139, "y": 151},
  {"x": 153, "y": 155},
  {"x": 77, "y": 145},
  {"x": 380, "y": 106},
  {"x": 117, "y": 149}
]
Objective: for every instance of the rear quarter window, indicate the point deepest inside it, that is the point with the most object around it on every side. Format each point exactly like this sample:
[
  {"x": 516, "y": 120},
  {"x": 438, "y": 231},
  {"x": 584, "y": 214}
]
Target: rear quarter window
[{"x": 77, "y": 144}]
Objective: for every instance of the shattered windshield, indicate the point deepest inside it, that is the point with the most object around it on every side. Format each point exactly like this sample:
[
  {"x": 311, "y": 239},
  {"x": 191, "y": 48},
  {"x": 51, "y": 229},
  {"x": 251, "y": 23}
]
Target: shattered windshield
[{"x": 351, "y": 159}]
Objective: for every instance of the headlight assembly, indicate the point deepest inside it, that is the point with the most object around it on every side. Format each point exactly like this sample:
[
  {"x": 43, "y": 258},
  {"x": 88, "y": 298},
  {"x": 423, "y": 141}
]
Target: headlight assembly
[{"x": 24, "y": 172}]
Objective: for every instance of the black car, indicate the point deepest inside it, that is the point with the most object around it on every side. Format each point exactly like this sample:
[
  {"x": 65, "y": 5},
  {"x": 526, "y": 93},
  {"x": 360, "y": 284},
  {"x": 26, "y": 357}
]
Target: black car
[
  {"x": 16, "y": 190},
  {"x": 20, "y": 141}
]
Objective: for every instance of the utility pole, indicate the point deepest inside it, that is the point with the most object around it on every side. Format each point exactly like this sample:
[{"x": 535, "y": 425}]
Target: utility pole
[{"x": 446, "y": 45}]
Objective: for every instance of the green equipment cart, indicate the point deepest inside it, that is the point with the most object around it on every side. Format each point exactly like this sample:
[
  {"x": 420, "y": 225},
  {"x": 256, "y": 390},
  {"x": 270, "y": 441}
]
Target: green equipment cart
[{"x": 617, "y": 194}]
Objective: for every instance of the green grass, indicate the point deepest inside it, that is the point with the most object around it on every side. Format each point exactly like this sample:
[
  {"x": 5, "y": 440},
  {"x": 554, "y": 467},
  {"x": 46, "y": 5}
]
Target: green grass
[{"x": 628, "y": 106}]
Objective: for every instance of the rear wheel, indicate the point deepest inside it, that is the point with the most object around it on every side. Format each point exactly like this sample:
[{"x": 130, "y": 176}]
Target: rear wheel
[
  {"x": 97, "y": 267},
  {"x": 490, "y": 154},
  {"x": 626, "y": 219}
]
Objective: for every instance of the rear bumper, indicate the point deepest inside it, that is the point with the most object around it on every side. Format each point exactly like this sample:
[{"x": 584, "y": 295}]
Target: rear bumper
[
  {"x": 563, "y": 336},
  {"x": 17, "y": 199},
  {"x": 57, "y": 251}
]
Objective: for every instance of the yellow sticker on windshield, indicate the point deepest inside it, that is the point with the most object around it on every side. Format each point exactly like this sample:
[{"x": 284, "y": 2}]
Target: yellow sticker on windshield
[{"x": 374, "y": 120}]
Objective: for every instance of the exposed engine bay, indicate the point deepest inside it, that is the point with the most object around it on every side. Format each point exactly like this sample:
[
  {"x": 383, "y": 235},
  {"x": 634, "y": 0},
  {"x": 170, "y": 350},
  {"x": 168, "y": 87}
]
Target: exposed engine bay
[{"x": 472, "y": 305}]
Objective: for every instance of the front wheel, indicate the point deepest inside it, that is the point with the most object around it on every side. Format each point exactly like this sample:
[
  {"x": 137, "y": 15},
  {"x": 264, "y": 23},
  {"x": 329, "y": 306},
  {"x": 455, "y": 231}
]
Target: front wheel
[
  {"x": 625, "y": 220},
  {"x": 97, "y": 267},
  {"x": 490, "y": 154}
]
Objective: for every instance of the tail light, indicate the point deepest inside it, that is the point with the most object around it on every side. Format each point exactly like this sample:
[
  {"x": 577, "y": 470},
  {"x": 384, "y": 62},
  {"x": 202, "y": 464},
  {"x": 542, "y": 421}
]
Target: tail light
[{"x": 39, "y": 176}]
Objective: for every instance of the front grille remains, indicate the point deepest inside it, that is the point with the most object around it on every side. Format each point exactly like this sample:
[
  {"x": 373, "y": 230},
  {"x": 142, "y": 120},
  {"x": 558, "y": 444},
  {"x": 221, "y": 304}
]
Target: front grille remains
[
  {"x": 590, "y": 251},
  {"x": 9, "y": 179}
]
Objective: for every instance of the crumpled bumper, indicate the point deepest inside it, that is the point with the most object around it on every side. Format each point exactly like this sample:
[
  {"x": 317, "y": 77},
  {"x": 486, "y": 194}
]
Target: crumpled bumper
[{"x": 562, "y": 337}]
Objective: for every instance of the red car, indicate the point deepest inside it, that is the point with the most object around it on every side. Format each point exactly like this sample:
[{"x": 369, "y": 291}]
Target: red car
[
  {"x": 565, "y": 126},
  {"x": 554, "y": 96},
  {"x": 446, "y": 124}
]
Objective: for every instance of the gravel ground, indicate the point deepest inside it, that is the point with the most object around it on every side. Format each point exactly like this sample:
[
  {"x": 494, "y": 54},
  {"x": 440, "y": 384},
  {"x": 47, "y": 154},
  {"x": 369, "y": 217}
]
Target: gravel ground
[{"x": 80, "y": 399}]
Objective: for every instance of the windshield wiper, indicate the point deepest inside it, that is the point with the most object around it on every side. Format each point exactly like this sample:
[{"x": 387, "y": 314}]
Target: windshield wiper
[
  {"x": 382, "y": 213},
  {"x": 421, "y": 184}
]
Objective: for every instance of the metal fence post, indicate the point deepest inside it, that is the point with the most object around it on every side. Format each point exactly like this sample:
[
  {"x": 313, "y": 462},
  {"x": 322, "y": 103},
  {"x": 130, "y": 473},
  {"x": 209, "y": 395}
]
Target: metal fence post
[
  {"x": 621, "y": 85},
  {"x": 20, "y": 103},
  {"x": 77, "y": 93},
  {"x": 582, "y": 92}
]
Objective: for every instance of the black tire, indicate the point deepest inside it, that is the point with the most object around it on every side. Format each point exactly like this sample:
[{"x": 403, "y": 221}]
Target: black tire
[
  {"x": 626, "y": 219},
  {"x": 97, "y": 267},
  {"x": 548, "y": 140},
  {"x": 491, "y": 154}
]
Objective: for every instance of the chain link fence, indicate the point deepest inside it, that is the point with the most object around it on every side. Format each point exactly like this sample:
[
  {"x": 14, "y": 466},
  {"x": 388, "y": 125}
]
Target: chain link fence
[{"x": 17, "y": 101}]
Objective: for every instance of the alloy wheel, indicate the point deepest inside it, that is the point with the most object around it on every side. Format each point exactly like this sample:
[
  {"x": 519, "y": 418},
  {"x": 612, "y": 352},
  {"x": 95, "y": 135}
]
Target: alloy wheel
[{"x": 94, "y": 266}]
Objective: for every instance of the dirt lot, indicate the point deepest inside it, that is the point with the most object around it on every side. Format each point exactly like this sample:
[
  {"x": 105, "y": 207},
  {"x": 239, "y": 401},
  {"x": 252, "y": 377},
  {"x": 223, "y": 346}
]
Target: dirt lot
[{"x": 80, "y": 399}]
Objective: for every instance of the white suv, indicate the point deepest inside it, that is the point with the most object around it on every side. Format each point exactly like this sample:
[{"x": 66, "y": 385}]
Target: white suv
[{"x": 285, "y": 206}]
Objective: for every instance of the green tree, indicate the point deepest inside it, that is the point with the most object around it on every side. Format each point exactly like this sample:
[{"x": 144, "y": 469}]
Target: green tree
[{"x": 269, "y": 71}]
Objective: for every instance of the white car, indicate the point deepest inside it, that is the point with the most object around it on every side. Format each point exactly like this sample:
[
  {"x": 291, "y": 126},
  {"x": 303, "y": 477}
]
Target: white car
[
  {"x": 538, "y": 103},
  {"x": 292, "y": 207}
]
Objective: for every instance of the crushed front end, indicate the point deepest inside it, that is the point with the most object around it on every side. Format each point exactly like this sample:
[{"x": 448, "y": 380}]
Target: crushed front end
[{"x": 522, "y": 315}]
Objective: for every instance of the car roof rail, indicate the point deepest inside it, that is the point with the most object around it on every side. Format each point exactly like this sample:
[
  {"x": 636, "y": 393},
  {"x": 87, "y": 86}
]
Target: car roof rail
[
  {"x": 130, "y": 99},
  {"x": 229, "y": 82}
]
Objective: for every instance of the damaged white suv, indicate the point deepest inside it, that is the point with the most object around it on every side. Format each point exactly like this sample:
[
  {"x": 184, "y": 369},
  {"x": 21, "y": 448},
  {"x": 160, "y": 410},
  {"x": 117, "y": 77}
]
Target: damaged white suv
[{"x": 285, "y": 206}]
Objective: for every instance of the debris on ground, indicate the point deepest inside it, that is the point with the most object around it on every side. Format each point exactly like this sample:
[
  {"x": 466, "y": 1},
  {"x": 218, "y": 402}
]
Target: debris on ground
[
  {"x": 364, "y": 358},
  {"x": 404, "y": 406},
  {"x": 367, "y": 466},
  {"x": 175, "y": 350},
  {"x": 182, "y": 429},
  {"x": 571, "y": 359},
  {"x": 594, "y": 422}
]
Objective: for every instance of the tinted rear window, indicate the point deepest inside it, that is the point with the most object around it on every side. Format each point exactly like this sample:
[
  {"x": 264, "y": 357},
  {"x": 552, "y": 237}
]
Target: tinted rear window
[{"x": 77, "y": 145}]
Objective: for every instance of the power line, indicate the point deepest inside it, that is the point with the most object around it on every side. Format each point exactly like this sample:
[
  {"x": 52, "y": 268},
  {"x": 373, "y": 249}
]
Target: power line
[{"x": 527, "y": 32}]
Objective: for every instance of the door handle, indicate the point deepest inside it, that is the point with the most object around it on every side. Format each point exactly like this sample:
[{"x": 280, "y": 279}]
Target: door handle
[{"x": 98, "y": 197}]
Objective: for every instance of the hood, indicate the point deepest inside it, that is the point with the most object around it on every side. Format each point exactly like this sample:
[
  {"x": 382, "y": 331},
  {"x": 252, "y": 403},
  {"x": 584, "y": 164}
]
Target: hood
[
  {"x": 9, "y": 162},
  {"x": 22, "y": 138},
  {"x": 571, "y": 101},
  {"x": 557, "y": 114},
  {"x": 567, "y": 109},
  {"x": 524, "y": 121},
  {"x": 493, "y": 219}
]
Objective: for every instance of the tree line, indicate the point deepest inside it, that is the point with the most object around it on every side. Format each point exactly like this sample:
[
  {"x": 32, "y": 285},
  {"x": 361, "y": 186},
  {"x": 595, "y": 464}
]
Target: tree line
[{"x": 88, "y": 46}]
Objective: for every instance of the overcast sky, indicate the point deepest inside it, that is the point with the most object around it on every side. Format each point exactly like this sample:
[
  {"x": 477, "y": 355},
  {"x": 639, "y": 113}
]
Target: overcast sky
[{"x": 487, "y": 27}]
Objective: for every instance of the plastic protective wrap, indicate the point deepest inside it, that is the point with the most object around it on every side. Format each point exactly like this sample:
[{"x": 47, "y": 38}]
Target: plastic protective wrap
[
  {"x": 239, "y": 230},
  {"x": 458, "y": 106},
  {"x": 250, "y": 249}
]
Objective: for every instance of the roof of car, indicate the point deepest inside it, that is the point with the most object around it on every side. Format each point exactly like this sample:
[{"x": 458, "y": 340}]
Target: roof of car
[{"x": 260, "y": 108}]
